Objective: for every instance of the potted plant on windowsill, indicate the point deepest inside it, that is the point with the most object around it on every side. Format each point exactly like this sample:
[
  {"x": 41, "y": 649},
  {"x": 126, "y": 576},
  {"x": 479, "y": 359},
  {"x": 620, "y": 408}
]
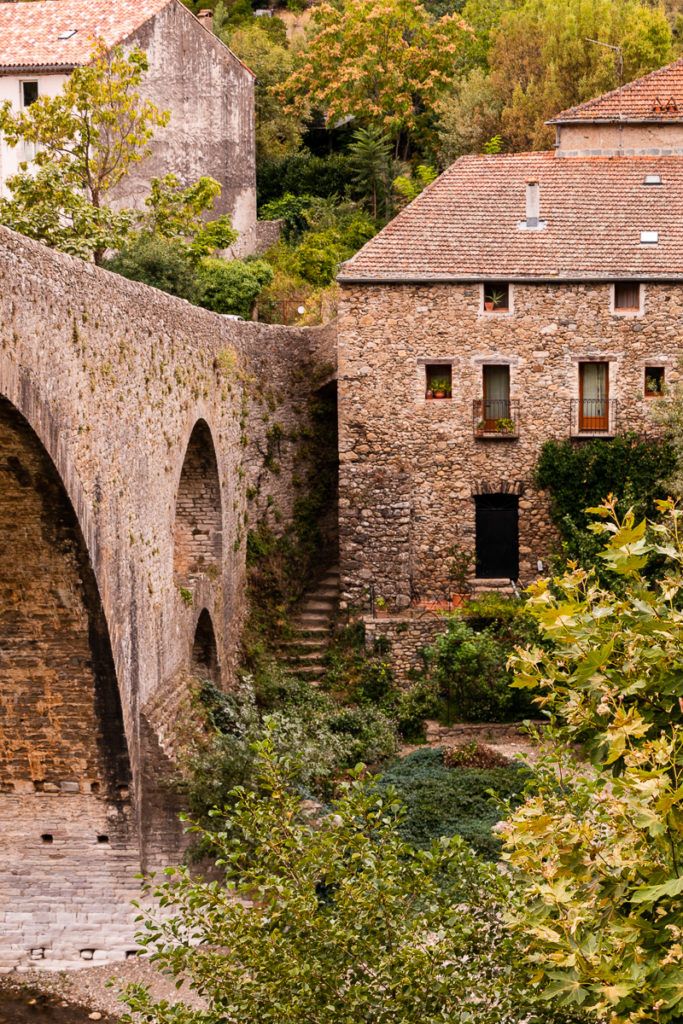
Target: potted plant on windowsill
[
  {"x": 505, "y": 426},
  {"x": 493, "y": 300},
  {"x": 440, "y": 387}
]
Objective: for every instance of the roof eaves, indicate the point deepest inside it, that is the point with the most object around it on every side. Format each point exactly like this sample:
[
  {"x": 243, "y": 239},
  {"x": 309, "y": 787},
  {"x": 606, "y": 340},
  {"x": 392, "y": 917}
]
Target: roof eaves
[
  {"x": 513, "y": 278},
  {"x": 15, "y": 69}
]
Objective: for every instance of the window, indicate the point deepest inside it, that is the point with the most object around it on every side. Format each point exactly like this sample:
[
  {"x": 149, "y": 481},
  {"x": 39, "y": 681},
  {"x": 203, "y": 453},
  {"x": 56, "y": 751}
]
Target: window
[
  {"x": 496, "y": 297},
  {"x": 594, "y": 397},
  {"x": 627, "y": 296},
  {"x": 438, "y": 380},
  {"x": 496, "y": 387},
  {"x": 29, "y": 93},
  {"x": 654, "y": 381}
]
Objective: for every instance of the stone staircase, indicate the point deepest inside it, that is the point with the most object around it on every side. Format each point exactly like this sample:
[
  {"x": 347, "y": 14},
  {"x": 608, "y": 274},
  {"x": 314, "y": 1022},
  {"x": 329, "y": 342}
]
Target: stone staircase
[
  {"x": 502, "y": 586},
  {"x": 312, "y": 628}
]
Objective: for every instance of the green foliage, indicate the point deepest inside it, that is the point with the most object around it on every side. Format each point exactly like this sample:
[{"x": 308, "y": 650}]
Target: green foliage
[
  {"x": 409, "y": 186},
  {"x": 327, "y": 736},
  {"x": 86, "y": 139},
  {"x": 447, "y": 802},
  {"x": 178, "y": 213},
  {"x": 161, "y": 263},
  {"x": 597, "y": 851},
  {"x": 383, "y": 62},
  {"x": 302, "y": 174},
  {"x": 233, "y": 286},
  {"x": 336, "y": 920},
  {"x": 292, "y": 210},
  {"x": 371, "y": 166},
  {"x": 469, "y": 662},
  {"x": 579, "y": 476},
  {"x": 413, "y": 706}
]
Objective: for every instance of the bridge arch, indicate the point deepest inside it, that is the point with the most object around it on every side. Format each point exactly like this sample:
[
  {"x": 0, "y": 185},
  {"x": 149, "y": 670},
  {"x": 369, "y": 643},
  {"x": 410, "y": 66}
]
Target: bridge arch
[
  {"x": 197, "y": 534},
  {"x": 62, "y": 718},
  {"x": 204, "y": 658}
]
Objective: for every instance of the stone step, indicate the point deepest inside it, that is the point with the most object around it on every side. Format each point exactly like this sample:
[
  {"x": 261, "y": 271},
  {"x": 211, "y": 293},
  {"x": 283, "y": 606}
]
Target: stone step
[
  {"x": 308, "y": 642},
  {"x": 312, "y": 658},
  {"x": 318, "y": 604},
  {"x": 308, "y": 619},
  {"x": 309, "y": 671}
]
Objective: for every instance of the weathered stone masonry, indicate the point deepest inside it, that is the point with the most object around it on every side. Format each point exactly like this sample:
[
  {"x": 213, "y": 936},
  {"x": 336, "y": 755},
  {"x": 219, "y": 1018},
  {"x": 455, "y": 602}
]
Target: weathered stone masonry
[
  {"x": 103, "y": 384},
  {"x": 410, "y": 467}
]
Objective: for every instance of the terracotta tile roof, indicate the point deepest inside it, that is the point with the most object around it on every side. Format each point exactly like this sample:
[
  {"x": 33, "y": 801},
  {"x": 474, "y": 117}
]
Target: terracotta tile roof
[
  {"x": 29, "y": 32},
  {"x": 654, "y": 97},
  {"x": 465, "y": 225}
]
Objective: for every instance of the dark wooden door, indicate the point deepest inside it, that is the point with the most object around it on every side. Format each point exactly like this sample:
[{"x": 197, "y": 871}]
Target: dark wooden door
[{"x": 497, "y": 536}]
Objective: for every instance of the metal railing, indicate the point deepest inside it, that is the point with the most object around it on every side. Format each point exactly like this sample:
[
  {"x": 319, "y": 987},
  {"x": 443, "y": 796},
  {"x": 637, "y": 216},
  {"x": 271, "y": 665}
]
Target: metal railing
[
  {"x": 593, "y": 416},
  {"x": 495, "y": 417}
]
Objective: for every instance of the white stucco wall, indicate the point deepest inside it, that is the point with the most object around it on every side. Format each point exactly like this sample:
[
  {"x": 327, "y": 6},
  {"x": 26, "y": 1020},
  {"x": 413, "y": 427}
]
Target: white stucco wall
[{"x": 10, "y": 89}]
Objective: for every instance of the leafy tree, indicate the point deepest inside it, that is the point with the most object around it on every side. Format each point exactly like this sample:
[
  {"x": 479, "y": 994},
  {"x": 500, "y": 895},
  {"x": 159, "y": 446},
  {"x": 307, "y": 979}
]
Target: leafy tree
[
  {"x": 87, "y": 138},
  {"x": 302, "y": 174},
  {"x": 336, "y": 921},
  {"x": 382, "y": 62},
  {"x": 598, "y": 850},
  {"x": 408, "y": 186},
  {"x": 233, "y": 286},
  {"x": 370, "y": 162},
  {"x": 160, "y": 262},
  {"x": 175, "y": 212},
  {"x": 532, "y": 59}
]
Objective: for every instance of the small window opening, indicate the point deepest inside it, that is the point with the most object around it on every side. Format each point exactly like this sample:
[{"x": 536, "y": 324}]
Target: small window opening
[
  {"x": 47, "y": 838},
  {"x": 496, "y": 296},
  {"x": 103, "y": 839},
  {"x": 627, "y": 295},
  {"x": 29, "y": 93},
  {"x": 438, "y": 379},
  {"x": 654, "y": 381}
]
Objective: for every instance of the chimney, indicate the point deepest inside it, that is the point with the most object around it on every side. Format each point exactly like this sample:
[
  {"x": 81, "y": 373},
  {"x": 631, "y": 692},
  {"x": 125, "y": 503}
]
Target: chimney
[
  {"x": 533, "y": 203},
  {"x": 206, "y": 18}
]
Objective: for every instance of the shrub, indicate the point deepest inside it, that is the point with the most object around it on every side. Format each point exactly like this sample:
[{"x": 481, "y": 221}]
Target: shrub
[
  {"x": 580, "y": 476},
  {"x": 233, "y": 286},
  {"x": 302, "y": 174},
  {"x": 421, "y": 701},
  {"x": 336, "y": 920},
  {"x": 469, "y": 662},
  {"x": 290, "y": 209},
  {"x": 161, "y": 263},
  {"x": 442, "y": 802}
]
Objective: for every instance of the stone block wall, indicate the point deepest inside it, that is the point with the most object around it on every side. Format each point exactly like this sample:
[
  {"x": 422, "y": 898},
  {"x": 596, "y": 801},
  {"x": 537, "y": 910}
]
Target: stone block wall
[
  {"x": 410, "y": 467},
  {"x": 407, "y": 637}
]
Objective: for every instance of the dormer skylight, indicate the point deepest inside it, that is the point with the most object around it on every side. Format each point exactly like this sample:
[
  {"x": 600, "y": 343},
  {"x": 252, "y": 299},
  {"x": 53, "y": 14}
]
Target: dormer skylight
[
  {"x": 653, "y": 179},
  {"x": 649, "y": 237},
  {"x": 68, "y": 34}
]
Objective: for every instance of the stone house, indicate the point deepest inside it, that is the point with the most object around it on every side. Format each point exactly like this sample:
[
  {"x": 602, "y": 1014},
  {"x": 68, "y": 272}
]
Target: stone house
[
  {"x": 518, "y": 298},
  {"x": 209, "y": 91}
]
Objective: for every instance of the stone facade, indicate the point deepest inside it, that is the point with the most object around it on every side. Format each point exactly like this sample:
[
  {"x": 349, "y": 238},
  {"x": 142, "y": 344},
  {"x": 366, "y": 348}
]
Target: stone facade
[
  {"x": 411, "y": 468},
  {"x": 134, "y": 435}
]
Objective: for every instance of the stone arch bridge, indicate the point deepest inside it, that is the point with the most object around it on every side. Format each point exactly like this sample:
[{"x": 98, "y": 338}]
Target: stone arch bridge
[{"x": 133, "y": 427}]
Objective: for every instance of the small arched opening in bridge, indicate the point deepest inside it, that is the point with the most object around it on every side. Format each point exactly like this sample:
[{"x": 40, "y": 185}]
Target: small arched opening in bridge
[
  {"x": 60, "y": 711},
  {"x": 204, "y": 661},
  {"x": 198, "y": 519}
]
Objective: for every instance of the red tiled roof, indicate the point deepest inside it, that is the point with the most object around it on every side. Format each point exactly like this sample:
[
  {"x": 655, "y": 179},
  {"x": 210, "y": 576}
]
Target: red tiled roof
[
  {"x": 465, "y": 225},
  {"x": 29, "y": 32},
  {"x": 654, "y": 97}
]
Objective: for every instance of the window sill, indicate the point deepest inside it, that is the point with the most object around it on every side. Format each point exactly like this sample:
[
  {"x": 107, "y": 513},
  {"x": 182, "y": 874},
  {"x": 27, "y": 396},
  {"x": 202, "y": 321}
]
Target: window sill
[{"x": 496, "y": 435}]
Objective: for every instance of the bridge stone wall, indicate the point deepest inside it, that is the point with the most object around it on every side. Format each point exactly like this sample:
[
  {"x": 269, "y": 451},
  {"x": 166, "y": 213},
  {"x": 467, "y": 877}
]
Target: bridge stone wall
[{"x": 111, "y": 379}]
